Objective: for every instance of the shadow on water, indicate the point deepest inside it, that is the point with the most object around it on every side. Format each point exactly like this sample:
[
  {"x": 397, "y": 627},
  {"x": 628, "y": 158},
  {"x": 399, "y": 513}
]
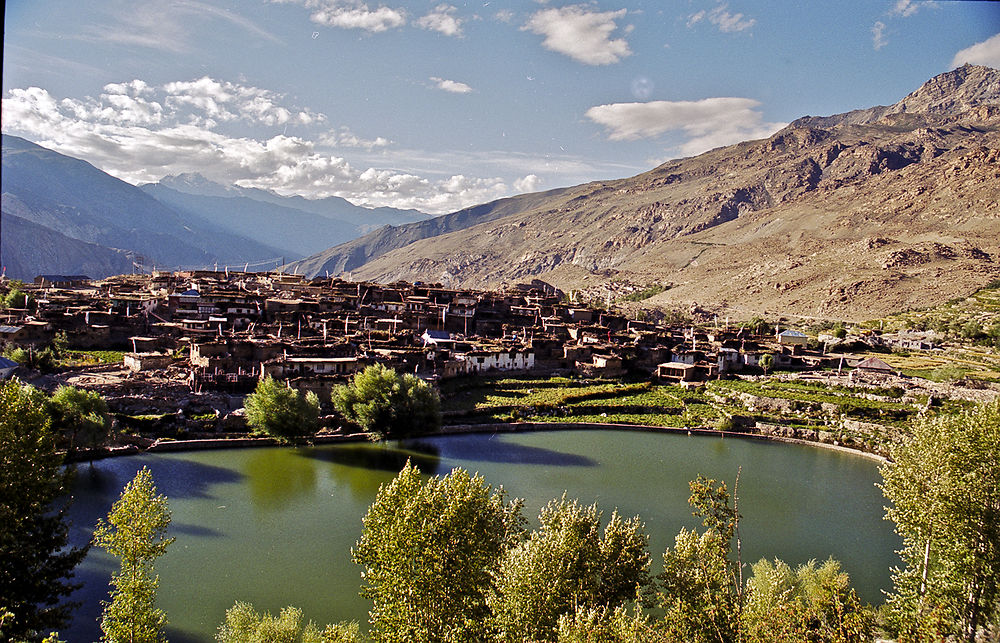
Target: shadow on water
[
  {"x": 378, "y": 457},
  {"x": 181, "y": 529},
  {"x": 491, "y": 448},
  {"x": 174, "y": 477}
]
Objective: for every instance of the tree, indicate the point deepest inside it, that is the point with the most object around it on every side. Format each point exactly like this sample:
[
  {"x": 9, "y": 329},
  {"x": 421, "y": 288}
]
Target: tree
[
  {"x": 243, "y": 624},
  {"x": 808, "y": 604},
  {"x": 701, "y": 587},
  {"x": 80, "y": 416},
  {"x": 35, "y": 563},
  {"x": 427, "y": 550},
  {"x": 568, "y": 564},
  {"x": 766, "y": 362},
  {"x": 604, "y": 625},
  {"x": 135, "y": 533},
  {"x": 943, "y": 487},
  {"x": 280, "y": 411},
  {"x": 388, "y": 405}
]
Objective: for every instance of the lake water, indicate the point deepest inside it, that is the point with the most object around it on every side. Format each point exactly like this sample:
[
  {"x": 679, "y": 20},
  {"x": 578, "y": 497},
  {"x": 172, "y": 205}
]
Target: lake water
[{"x": 275, "y": 526}]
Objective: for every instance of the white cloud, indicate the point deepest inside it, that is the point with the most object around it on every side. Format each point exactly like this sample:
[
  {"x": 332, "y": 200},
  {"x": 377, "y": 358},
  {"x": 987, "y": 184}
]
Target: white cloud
[
  {"x": 581, "y": 34},
  {"x": 443, "y": 20},
  {"x": 721, "y": 17},
  {"x": 139, "y": 133},
  {"x": 162, "y": 24},
  {"x": 529, "y": 183},
  {"x": 452, "y": 86},
  {"x": 878, "y": 35},
  {"x": 345, "y": 138},
  {"x": 352, "y": 14},
  {"x": 906, "y": 8},
  {"x": 729, "y": 22},
  {"x": 982, "y": 53},
  {"x": 505, "y": 16},
  {"x": 707, "y": 123}
]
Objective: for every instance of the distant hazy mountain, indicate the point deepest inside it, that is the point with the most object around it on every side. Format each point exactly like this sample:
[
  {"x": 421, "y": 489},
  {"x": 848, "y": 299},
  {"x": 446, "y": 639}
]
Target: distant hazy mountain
[
  {"x": 296, "y": 232},
  {"x": 76, "y": 200},
  {"x": 29, "y": 249},
  {"x": 847, "y": 216},
  {"x": 336, "y": 208}
]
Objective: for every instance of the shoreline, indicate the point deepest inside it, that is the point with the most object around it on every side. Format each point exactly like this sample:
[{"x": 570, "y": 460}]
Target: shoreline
[{"x": 207, "y": 444}]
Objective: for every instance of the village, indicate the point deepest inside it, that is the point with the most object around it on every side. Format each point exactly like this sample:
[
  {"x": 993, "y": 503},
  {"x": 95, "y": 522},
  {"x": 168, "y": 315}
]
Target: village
[{"x": 194, "y": 343}]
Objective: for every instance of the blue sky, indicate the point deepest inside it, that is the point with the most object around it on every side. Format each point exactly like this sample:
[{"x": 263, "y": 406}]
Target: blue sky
[{"x": 440, "y": 105}]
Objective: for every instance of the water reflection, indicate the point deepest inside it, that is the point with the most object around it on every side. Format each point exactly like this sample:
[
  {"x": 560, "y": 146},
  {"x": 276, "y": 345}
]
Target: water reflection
[
  {"x": 275, "y": 477},
  {"x": 380, "y": 457},
  {"x": 496, "y": 449}
]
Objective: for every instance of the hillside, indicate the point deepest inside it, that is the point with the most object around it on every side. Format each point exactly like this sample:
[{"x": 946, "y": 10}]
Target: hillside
[
  {"x": 74, "y": 200},
  {"x": 850, "y": 216},
  {"x": 56, "y": 252}
]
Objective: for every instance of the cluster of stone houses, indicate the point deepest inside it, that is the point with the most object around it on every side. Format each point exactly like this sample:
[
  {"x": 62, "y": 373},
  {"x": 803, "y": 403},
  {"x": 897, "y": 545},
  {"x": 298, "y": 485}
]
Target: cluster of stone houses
[{"x": 228, "y": 329}]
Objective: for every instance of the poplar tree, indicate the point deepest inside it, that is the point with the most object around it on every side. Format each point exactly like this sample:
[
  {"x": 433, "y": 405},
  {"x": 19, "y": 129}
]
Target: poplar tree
[
  {"x": 943, "y": 487},
  {"x": 135, "y": 533},
  {"x": 35, "y": 563}
]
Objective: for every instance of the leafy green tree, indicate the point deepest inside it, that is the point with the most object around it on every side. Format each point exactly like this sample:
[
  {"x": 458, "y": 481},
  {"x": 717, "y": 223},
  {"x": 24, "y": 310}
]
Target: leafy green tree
[
  {"x": 280, "y": 411},
  {"x": 80, "y": 416},
  {"x": 16, "y": 297},
  {"x": 35, "y": 563},
  {"x": 809, "y": 603},
  {"x": 243, "y": 624},
  {"x": 943, "y": 487},
  {"x": 135, "y": 534},
  {"x": 604, "y": 625},
  {"x": 388, "y": 405},
  {"x": 427, "y": 550},
  {"x": 569, "y": 564},
  {"x": 701, "y": 587},
  {"x": 766, "y": 362}
]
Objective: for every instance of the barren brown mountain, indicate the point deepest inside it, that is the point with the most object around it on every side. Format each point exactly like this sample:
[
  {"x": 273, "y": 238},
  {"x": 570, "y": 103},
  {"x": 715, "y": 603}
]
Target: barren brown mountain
[{"x": 848, "y": 217}]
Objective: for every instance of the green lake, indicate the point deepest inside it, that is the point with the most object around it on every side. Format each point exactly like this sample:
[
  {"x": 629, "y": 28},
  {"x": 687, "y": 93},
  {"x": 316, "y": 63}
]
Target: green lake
[{"x": 275, "y": 526}]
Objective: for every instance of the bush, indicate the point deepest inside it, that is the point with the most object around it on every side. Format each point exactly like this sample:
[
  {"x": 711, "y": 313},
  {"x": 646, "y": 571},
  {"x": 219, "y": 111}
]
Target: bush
[
  {"x": 388, "y": 405},
  {"x": 281, "y": 412}
]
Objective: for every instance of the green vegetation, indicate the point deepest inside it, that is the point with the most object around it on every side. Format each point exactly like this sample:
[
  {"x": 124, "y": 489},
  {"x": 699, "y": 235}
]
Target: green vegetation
[
  {"x": 36, "y": 564},
  {"x": 243, "y": 624},
  {"x": 280, "y": 411},
  {"x": 427, "y": 551},
  {"x": 646, "y": 293},
  {"x": 15, "y": 297},
  {"x": 80, "y": 416},
  {"x": 388, "y": 405},
  {"x": 135, "y": 534},
  {"x": 971, "y": 320},
  {"x": 944, "y": 490},
  {"x": 85, "y": 358}
]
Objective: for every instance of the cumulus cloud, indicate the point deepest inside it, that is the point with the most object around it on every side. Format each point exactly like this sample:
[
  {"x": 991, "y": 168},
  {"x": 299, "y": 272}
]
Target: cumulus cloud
[
  {"x": 352, "y": 14},
  {"x": 140, "y": 132},
  {"x": 580, "y": 33},
  {"x": 443, "y": 20},
  {"x": 452, "y": 86},
  {"x": 722, "y": 18},
  {"x": 345, "y": 138},
  {"x": 707, "y": 123},
  {"x": 982, "y": 53},
  {"x": 878, "y": 35}
]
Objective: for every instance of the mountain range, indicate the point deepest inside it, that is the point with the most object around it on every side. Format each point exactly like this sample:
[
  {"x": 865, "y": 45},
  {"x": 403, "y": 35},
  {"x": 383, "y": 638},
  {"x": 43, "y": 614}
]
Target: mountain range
[
  {"x": 848, "y": 216},
  {"x": 63, "y": 215}
]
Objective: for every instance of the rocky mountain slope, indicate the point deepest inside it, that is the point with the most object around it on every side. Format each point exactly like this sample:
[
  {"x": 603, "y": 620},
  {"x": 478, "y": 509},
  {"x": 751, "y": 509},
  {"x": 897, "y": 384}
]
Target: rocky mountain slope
[
  {"x": 848, "y": 216},
  {"x": 74, "y": 200}
]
